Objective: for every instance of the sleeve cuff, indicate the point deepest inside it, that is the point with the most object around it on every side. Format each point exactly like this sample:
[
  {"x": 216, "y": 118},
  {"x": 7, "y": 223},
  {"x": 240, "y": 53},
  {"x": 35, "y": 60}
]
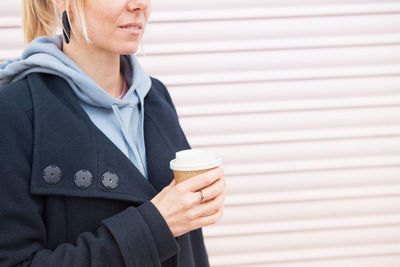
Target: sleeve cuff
[
  {"x": 166, "y": 244},
  {"x": 142, "y": 235}
]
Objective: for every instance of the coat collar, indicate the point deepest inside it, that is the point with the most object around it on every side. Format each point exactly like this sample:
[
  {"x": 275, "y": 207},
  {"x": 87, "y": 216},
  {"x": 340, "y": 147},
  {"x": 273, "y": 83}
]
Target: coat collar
[{"x": 65, "y": 136}]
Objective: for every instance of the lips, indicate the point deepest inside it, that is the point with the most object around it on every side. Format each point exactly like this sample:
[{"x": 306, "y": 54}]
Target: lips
[{"x": 133, "y": 26}]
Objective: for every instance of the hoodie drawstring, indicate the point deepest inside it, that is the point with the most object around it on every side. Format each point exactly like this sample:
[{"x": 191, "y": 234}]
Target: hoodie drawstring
[{"x": 133, "y": 150}]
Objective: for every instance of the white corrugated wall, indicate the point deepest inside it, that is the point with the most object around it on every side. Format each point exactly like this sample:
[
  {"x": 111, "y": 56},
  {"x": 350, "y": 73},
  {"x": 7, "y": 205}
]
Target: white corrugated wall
[{"x": 301, "y": 98}]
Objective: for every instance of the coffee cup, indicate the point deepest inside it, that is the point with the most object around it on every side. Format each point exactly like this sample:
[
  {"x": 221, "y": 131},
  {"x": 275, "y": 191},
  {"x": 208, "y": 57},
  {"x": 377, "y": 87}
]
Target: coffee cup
[{"x": 191, "y": 162}]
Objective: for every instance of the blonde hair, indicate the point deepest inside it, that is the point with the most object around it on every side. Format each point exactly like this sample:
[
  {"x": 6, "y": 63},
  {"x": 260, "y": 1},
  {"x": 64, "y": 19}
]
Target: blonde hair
[{"x": 42, "y": 18}]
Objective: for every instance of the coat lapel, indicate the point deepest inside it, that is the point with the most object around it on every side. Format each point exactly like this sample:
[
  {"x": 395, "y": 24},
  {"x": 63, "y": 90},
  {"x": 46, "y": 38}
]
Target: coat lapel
[
  {"x": 163, "y": 136},
  {"x": 158, "y": 151},
  {"x": 65, "y": 136}
]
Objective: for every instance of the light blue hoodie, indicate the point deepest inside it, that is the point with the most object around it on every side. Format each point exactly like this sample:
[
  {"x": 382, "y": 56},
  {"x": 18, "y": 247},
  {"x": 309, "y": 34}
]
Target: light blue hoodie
[{"x": 119, "y": 119}]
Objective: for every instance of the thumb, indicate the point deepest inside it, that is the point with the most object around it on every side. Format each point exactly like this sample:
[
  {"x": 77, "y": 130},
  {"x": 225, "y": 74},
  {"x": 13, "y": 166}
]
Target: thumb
[{"x": 173, "y": 183}]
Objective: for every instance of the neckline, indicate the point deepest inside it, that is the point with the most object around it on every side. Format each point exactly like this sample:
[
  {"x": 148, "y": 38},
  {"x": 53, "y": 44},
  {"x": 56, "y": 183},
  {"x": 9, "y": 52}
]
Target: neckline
[{"x": 125, "y": 88}]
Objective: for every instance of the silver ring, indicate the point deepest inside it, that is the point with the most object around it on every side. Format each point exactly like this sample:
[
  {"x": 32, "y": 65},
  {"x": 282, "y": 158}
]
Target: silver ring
[{"x": 201, "y": 196}]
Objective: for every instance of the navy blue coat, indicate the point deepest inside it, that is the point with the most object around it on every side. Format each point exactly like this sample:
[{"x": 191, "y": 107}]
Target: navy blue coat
[{"x": 47, "y": 220}]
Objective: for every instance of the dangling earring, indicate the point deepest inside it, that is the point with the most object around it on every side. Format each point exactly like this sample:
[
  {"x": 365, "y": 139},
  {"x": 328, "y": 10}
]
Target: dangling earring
[{"x": 66, "y": 27}]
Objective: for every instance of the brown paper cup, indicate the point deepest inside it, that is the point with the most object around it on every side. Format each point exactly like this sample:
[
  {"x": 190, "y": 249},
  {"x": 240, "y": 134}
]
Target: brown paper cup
[
  {"x": 191, "y": 162},
  {"x": 181, "y": 176}
]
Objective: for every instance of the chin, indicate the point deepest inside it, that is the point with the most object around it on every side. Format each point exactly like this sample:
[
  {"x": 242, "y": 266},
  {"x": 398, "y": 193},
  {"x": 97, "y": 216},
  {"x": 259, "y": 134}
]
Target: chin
[{"x": 127, "y": 49}]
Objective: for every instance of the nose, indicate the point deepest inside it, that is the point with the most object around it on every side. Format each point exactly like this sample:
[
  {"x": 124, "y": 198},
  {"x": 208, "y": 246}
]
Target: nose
[{"x": 138, "y": 5}]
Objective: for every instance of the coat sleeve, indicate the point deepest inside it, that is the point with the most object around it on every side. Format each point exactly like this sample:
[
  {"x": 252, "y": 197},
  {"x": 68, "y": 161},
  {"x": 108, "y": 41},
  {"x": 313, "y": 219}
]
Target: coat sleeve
[{"x": 134, "y": 237}]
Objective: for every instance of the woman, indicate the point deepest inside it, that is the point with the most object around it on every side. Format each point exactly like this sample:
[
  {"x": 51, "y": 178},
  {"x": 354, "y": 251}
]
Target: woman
[{"x": 86, "y": 137}]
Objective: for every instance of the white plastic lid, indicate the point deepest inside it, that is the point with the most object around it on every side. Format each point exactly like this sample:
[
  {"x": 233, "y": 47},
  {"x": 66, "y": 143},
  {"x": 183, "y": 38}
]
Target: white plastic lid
[{"x": 194, "y": 160}]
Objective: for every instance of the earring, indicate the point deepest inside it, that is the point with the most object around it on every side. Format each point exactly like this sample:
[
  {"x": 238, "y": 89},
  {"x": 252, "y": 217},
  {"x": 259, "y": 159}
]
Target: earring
[{"x": 66, "y": 27}]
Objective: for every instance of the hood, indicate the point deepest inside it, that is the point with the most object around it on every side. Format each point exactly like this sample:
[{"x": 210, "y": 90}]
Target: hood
[{"x": 44, "y": 55}]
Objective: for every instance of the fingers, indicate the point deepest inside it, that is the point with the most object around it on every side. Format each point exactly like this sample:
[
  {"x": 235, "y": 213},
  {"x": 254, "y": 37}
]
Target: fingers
[
  {"x": 214, "y": 189},
  {"x": 200, "y": 181},
  {"x": 210, "y": 219},
  {"x": 209, "y": 207},
  {"x": 180, "y": 204}
]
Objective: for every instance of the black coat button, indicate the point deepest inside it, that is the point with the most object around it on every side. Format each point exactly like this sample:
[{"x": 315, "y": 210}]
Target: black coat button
[
  {"x": 83, "y": 179},
  {"x": 52, "y": 174},
  {"x": 110, "y": 180}
]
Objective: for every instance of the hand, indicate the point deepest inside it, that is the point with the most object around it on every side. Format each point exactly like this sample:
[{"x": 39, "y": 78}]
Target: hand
[{"x": 181, "y": 205}]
